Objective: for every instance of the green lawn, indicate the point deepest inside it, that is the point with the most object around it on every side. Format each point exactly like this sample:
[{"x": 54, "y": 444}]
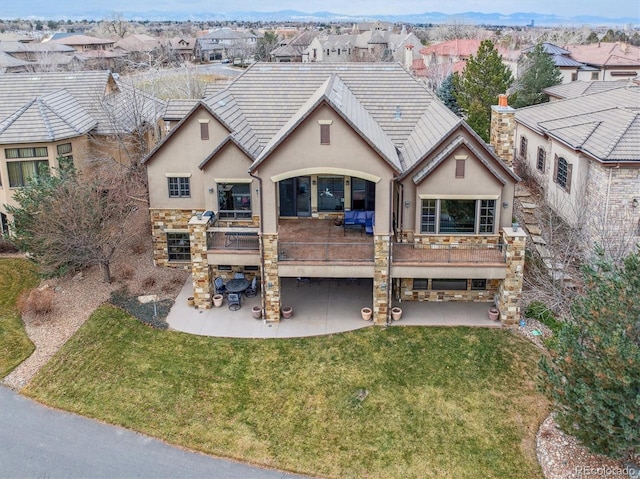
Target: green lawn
[
  {"x": 397, "y": 402},
  {"x": 15, "y": 346}
]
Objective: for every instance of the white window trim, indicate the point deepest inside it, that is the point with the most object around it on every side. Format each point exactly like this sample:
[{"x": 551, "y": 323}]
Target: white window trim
[{"x": 177, "y": 175}]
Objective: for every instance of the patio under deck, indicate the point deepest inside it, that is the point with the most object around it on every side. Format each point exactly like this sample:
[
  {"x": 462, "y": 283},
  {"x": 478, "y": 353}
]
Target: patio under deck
[{"x": 319, "y": 308}]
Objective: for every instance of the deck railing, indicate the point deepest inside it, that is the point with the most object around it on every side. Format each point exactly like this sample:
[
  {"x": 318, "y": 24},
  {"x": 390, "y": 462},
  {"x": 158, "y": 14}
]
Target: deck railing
[
  {"x": 449, "y": 253},
  {"x": 326, "y": 252}
]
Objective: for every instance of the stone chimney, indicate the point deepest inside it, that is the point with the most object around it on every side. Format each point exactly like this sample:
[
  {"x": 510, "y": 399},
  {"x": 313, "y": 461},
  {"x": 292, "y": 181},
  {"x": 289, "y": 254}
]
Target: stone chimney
[
  {"x": 503, "y": 130},
  {"x": 408, "y": 56}
]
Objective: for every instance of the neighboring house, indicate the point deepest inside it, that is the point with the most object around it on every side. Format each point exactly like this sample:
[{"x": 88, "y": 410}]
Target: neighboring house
[
  {"x": 584, "y": 152},
  {"x": 34, "y": 52},
  {"x": 182, "y": 48},
  {"x": 596, "y": 61},
  {"x": 608, "y": 61},
  {"x": 224, "y": 43},
  {"x": 10, "y": 64},
  {"x": 255, "y": 178},
  {"x": 98, "y": 52},
  {"x": 291, "y": 50},
  {"x": 581, "y": 87},
  {"x": 140, "y": 48},
  {"x": 62, "y": 119},
  {"x": 438, "y": 61},
  {"x": 369, "y": 46}
]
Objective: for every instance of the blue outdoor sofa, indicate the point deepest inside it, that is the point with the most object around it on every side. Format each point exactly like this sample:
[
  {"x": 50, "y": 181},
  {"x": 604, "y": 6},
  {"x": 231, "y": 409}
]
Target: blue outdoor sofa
[{"x": 362, "y": 220}]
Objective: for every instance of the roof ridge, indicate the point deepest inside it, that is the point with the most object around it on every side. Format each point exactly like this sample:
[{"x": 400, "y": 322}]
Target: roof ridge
[
  {"x": 615, "y": 142},
  {"x": 42, "y": 107},
  {"x": 11, "y": 119}
]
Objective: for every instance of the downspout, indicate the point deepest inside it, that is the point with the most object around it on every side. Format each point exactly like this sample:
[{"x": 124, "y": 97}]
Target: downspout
[
  {"x": 263, "y": 303},
  {"x": 606, "y": 203}
]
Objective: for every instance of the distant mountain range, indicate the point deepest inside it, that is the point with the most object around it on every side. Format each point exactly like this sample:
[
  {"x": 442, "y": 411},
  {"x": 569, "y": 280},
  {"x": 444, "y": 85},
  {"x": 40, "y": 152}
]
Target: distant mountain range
[{"x": 513, "y": 19}]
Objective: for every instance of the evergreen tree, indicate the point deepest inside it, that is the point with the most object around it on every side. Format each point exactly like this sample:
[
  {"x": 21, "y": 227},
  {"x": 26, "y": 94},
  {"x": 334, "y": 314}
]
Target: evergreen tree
[
  {"x": 265, "y": 46},
  {"x": 446, "y": 94},
  {"x": 593, "y": 372},
  {"x": 484, "y": 78},
  {"x": 538, "y": 72}
]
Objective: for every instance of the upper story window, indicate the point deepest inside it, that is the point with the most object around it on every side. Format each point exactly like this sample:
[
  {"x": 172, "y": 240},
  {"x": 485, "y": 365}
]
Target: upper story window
[
  {"x": 20, "y": 172},
  {"x": 179, "y": 187},
  {"x": 204, "y": 129},
  {"x": 542, "y": 156},
  {"x": 562, "y": 174},
  {"x": 458, "y": 216},
  {"x": 595, "y": 76},
  {"x": 65, "y": 158},
  {"x": 30, "y": 152},
  {"x": 523, "y": 147},
  {"x": 325, "y": 132},
  {"x": 460, "y": 168},
  {"x": 234, "y": 200}
]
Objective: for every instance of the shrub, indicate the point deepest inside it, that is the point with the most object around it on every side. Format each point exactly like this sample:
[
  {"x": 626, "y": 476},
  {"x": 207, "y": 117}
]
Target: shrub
[
  {"x": 7, "y": 246},
  {"x": 148, "y": 283},
  {"x": 139, "y": 246},
  {"x": 37, "y": 301},
  {"x": 126, "y": 271},
  {"x": 538, "y": 310}
]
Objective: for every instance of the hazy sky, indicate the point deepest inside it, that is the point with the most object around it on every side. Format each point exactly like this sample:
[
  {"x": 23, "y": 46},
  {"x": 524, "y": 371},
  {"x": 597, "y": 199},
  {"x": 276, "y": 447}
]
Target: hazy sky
[{"x": 567, "y": 8}]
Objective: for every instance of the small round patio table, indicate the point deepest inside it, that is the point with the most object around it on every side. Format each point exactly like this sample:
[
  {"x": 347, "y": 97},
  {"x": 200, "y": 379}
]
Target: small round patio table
[{"x": 237, "y": 285}]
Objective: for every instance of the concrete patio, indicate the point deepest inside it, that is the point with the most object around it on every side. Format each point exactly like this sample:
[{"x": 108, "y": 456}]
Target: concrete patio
[{"x": 320, "y": 307}]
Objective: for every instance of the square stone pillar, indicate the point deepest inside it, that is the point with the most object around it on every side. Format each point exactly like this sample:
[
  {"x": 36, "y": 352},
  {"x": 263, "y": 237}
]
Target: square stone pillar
[
  {"x": 381, "y": 280},
  {"x": 503, "y": 130},
  {"x": 510, "y": 290},
  {"x": 200, "y": 274},
  {"x": 271, "y": 280}
]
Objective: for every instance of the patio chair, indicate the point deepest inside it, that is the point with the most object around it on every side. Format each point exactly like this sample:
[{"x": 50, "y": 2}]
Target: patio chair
[
  {"x": 238, "y": 276},
  {"x": 218, "y": 283},
  {"x": 253, "y": 289},
  {"x": 234, "y": 301}
]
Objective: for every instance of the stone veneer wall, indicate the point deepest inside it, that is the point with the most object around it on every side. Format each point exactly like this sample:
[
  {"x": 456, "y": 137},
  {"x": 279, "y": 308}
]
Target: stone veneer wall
[
  {"x": 503, "y": 131},
  {"x": 162, "y": 220},
  {"x": 381, "y": 279},
  {"x": 254, "y": 222},
  {"x": 510, "y": 290},
  {"x": 200, "y": 273},
  {"x": 409, "y": 294},
  {"x": 612, "y": 217},
  {"x": 271, "y": 279}
]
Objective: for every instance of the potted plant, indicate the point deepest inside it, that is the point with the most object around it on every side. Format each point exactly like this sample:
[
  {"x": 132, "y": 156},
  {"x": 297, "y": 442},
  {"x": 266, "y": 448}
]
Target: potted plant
[
  {"x": 256, "y": 312},
  {"x": 366, "y": 313},
  {"x": 217, "y": 300},
  {"x": 396, "y": 313},
  {"x": 190, "y": 301},
  {"x": 494, "y": 313},
  {"x": 514, "y": 224},
  {"x": 287, "y": 312}
]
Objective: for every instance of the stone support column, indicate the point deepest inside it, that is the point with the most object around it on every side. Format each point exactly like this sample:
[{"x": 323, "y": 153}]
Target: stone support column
[
  {"x": 200, "y": 274},
  {"x": 381, "y": 280},
  {"x": 510, "y": 290},
  {"x": 271, "y": 280}
]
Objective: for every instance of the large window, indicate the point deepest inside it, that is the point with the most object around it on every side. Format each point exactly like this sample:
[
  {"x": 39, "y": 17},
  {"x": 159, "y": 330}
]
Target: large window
[
  {"x": 179, "y": 187},
  {"x": 178, "y": 247},
  {"x": 363, "y": 194},
  {"x": 20, "y": 172},
  {"x": 234, "y": 200},
  {"x": 458, "y": 216},
  {"x": 562, "y": 173},
  {"x": 330, "y": 193}
]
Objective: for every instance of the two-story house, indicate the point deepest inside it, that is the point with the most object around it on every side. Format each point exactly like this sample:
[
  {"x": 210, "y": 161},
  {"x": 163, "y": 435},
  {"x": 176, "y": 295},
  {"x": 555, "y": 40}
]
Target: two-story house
[
  {"x": 584, "y": 152},
  {"x": 348, "y": 170},
  {"x": 56, "y": 120}
]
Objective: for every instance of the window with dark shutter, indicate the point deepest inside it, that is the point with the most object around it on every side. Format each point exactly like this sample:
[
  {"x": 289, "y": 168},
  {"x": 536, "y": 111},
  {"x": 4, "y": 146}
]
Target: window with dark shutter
[
  {"x": 325, "y": 135},
  {"x": 204, "y": 131},
  {"x": 523, "y": 147},
  {"x": 460, "y": 168},
  {"x": 541, "y": 159}
]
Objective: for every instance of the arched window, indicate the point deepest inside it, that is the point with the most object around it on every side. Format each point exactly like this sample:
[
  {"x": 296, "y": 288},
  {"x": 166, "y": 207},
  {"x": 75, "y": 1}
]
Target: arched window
[
  {"x": 562, "y": 173},
  {"x": 523, "y": 147}
]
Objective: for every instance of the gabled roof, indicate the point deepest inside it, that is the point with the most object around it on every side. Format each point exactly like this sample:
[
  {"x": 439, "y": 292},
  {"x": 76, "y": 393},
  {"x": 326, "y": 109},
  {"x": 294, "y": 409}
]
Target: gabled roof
[
  {"x": 138, "y": 43},
  {"x": 82, "y": 40},
  {"x": 603, "y": 125},
  {"x": 606, "y": 54},
  {"x": 564, "y": 61},
  {"x": 177, "y": 109},
  {"x": 549, "y": 48},
  {"x": 7, "y": 61},
  {"x": 338, "y": 96},
  {"x": 19, "y": 47},
  {"x": 51, "y": 117},
  {"x": 458, "y": 141}
]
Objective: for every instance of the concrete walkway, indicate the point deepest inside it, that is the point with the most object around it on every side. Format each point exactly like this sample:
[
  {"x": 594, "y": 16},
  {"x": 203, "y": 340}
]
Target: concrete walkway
[{"x": 320, "y": 307}]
